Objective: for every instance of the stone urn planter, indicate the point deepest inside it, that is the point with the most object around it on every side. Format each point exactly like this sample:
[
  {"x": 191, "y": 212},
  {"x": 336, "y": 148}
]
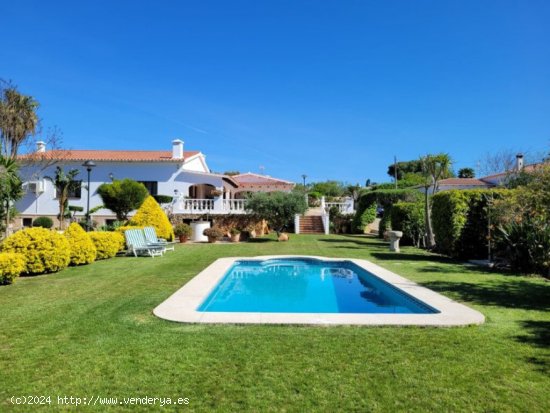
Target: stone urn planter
[{"x": 394, "y": 237}]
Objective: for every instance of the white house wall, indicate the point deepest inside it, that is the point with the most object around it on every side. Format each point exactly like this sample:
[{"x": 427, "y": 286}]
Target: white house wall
[{"x": 163, "y": 173}]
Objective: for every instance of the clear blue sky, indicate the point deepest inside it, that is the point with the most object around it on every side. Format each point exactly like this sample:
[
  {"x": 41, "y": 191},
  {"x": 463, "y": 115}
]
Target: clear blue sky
[{"x": 332, "y": 89}]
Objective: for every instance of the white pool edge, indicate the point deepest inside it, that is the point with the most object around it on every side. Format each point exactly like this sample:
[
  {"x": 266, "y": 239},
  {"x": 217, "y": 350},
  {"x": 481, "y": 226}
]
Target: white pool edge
[{"x": 181, "y": 306}]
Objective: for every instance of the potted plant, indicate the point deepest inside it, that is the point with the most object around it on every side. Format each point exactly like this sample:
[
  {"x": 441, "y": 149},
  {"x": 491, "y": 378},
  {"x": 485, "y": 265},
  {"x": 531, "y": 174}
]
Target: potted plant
[
  {"x": 235, "y": 234},
  {"x": 213, "y": 234},
  {"x": 216, "y": 192},
  {"x": 183, "y": 232}
]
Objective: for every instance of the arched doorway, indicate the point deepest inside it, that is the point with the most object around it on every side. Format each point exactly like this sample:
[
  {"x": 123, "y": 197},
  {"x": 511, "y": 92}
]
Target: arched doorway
[{"x": 201, "y": 191}]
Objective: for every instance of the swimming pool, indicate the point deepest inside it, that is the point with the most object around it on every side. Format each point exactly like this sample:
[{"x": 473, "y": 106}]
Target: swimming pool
[
  {"x": 309, "y": 290},
  {"x": 305, "y": 285}
]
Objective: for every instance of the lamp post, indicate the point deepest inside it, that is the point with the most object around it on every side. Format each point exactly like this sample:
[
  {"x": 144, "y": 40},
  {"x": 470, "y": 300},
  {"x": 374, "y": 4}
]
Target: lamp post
[{"x": 89, "y": 165}]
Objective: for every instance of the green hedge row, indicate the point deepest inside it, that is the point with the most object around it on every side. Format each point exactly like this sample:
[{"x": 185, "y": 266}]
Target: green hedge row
[
  {"x": 385, "y": 198},
  {"x": 408, "y": 217},
  {"x": 460, "y": 221}
]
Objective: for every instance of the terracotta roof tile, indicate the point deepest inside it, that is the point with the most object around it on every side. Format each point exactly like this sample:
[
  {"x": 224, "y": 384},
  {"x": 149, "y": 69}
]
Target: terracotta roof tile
[
  {"x": 463, "y": 181},
  {"x": 110, "y": 155},
  {"x": 251, "y": 179}
]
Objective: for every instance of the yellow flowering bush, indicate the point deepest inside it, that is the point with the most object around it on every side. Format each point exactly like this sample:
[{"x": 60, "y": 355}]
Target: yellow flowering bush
[
  {"x": 150, "y": 214},
  {"x": 44, "y": 250},
  {"x": 83, "y": 250},
  {"x": 11, "y": 265},
  {"x": 107, "y": 244}
]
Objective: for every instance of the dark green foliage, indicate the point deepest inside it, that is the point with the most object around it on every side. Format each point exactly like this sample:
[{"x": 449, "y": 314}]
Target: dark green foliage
[
  {"x": 466, "y": 173},
  {"x": 408, "y": 217},
  {"x": 526, "y": 245},
  {"x": 277, "y": 208},
  {"x": 405, "y": 167},
  {"x": 385, "y": 198},
  {"x": 123, "y": 196},
  {"x": 74, "y": 208},
  {"x": 340, "y": 223},
  {"x": 44, "y": 222},
  {"x": 460, "y": 221},
  {"x": 360, "y": 221},
  {"x": 163, "y": 199},
  {"x": 330, "y": 189}
]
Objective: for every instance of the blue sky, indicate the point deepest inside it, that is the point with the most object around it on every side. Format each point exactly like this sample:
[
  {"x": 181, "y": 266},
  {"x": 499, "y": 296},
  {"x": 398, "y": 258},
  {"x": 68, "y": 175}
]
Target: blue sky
[{"x": 332, "y": 89}]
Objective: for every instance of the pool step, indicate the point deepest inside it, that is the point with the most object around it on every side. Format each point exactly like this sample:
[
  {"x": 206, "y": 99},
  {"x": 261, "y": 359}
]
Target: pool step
[{"x": 312, "y": 224}]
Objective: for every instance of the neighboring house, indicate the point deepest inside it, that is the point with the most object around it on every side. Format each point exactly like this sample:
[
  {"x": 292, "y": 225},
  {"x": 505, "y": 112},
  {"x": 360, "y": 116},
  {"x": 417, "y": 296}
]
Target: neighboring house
[
  {"x": 183, "y": 175},
  {"x": 490, "y": 181}
]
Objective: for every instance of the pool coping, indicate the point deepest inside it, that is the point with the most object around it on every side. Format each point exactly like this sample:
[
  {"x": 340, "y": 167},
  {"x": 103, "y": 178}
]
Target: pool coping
[{"x": 182, "y": 305}]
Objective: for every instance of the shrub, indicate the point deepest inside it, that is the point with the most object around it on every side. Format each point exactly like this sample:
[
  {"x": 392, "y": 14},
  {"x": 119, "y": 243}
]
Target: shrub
[
  {"x": 83, "y": 250},
  {"x": 278, "y": 208},
  {"x": 44, "y": 250},
  {"x": 123, "y": 228},
  {"x": 408, "y": 217},
  {"x": 460, "y": 221},
  {"x": 360, "y": 221},
  {"x": 183, "y": 229},
  {"x": 234, "y": 231},
  {"x": 43, "y": 222},
  {"x": 163, "y": 199},
  {"x": 340, "y": 223},
  {"x": 385, "y": 198},
  {"x": 150, "y": 214},
  {"x": 11, "y": 265},
  {"x": 107, "y": 244},
  {"x": 122, "y": 197},
  {"x": 213, "y": 232}
]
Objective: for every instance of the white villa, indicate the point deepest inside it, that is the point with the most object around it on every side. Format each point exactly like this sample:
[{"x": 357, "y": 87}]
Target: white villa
[{"x": 183, "y": 175}]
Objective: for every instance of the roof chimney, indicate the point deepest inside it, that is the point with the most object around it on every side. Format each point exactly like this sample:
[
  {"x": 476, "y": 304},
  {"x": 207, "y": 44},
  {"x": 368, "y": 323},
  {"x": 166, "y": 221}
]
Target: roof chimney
[
  {"x": 519, "y": 162},
  {"x": 41, "y": 146},
  {"x": 177, "y": 149}
]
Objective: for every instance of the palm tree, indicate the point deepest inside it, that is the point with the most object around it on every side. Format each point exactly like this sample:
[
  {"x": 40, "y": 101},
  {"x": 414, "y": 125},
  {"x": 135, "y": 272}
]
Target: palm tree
[
  {"x": 64, "y": 183},
  {"x": 434, "y": 168},
  {"x": 18, "y": 120},
  {"x": 10, "y": 187}
]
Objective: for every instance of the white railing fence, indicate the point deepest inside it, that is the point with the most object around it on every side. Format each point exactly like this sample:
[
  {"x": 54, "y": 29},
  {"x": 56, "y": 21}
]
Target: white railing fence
[{"x": 183, "y": 205}]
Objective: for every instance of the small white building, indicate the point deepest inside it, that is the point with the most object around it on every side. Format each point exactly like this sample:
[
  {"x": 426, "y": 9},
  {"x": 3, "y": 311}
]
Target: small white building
[{"x": 180, "y": 174}]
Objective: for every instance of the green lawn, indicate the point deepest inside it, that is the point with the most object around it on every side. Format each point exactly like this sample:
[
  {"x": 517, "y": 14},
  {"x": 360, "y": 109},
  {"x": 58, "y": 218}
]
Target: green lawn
[{"x": 90, "y": 331}]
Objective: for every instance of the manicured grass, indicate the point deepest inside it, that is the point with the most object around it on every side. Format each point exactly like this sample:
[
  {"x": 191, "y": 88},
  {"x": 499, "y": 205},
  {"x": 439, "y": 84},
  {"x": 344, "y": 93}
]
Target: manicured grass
[{"x": 90, "y": 331}]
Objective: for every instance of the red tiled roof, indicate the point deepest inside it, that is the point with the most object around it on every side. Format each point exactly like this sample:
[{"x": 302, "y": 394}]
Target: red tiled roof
[
  {"x": 463, "y": 182},
  {"x": 250, "y": 179},
  {"x": 110, "y": 155},
  {"x": 526, "y": 168}
]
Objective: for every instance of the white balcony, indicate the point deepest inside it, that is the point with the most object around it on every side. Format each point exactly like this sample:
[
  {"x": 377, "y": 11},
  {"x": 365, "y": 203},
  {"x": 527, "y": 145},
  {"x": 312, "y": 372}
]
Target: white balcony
[{"x": 216, "y": 206}]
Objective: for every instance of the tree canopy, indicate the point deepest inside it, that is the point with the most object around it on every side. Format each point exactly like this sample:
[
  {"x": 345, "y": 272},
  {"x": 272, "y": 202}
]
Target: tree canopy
[{"x": 277, "y": 208}]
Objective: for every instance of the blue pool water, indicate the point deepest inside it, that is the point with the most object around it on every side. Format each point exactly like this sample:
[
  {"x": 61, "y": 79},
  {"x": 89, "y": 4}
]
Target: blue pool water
[{"x": 301, "y": 285}]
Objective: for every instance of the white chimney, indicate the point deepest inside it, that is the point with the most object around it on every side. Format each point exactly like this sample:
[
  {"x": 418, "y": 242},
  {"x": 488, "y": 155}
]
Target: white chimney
[
  {"x": 41, "y": 146},
  {"x": 177, "y": 149},
  {"x": 519, "y": 162}
]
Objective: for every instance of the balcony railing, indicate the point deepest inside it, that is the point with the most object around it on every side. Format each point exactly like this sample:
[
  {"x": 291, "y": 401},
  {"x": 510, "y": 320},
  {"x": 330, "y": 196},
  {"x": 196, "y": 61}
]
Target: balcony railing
[{"x": 208, "y": 206}]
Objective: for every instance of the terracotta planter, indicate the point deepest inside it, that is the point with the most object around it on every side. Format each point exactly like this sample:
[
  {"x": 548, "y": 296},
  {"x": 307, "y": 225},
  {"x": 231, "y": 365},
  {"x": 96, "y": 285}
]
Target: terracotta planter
[
  {"x": 236, "y": 237},
  {"x": 183, "y": 238},
  {"x": 212, "y": 240}
]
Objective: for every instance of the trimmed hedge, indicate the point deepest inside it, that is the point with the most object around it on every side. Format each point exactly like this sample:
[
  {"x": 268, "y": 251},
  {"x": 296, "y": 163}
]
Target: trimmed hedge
[
  {"x": 460, "y": 221},
  {"x": 44, "y": 250},
  {"x": 83, "y": 250},
  {"x": 408, "y": 217},
  {"x": 11, "y": 265},
  {"x": 385, "y": 198},
  {"x": 107, "y": 244},
  {"x": 360, "y": 221},
  {"x": 43, "y": 222},
  {"x": 151, "y": 214}
]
